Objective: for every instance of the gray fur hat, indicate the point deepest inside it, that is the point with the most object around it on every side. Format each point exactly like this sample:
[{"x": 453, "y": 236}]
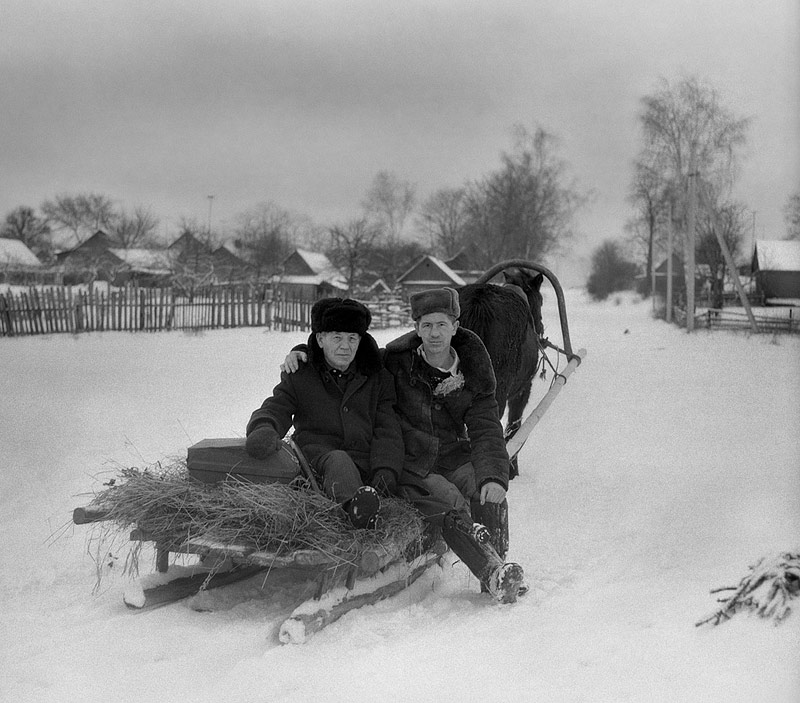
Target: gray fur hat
[{"x": 435, "y": 300}]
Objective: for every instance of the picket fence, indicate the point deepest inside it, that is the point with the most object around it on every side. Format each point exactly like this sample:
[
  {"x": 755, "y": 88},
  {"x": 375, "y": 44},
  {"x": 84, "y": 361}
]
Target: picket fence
[
  {"x": 786, "y": 322},
  {"x": 62, "y": 309}
]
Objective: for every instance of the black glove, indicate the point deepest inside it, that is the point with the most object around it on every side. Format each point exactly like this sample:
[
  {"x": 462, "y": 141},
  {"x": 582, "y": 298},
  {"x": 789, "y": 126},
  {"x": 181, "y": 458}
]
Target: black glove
[
  {"x": 385, "y": 482},
  {"x": 262, "y": 442}
]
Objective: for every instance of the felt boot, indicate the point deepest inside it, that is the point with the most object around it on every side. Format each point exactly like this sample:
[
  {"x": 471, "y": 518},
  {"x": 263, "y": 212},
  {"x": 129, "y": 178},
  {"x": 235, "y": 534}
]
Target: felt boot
[
  {"x": 501, "y": 580},
  {"x": 505, "y": 582},
  {"x": 495, "y": 517}
]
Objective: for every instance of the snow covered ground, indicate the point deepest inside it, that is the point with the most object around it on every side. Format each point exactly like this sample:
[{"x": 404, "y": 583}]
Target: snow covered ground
[{"x": 668, "y": 464}]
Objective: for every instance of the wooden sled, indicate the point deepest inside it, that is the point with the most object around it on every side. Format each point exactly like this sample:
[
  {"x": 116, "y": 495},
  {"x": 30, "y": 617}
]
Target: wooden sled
[{"x": 341, "y": 584}]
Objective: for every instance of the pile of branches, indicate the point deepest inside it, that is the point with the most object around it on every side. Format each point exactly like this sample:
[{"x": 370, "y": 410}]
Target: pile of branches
[
  {"x": 168, "y": 506},
  {"x": 767, "y": 590}
]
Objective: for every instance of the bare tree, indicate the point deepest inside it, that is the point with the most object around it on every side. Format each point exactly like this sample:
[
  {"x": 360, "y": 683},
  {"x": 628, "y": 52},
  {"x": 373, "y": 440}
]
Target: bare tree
[
  {"x": 650, "y": 196},
  {"x": 791, "y": 213},
  {"x": 22, "y": 223},
  {"x": 351, "y": 249},
  {"x": 136, "y": 229},
  {"x": 691, "y": 141},
  {"x": 191, "y": 256},
  {"x": 442, "y": 220},
  {"x": 390, "y": 201},
  {"x": 526, "y": 208},
  {"x": 727, "y": 219},
  {"x": 266, "y": 234},
  {"x": 81, "y": 215}
]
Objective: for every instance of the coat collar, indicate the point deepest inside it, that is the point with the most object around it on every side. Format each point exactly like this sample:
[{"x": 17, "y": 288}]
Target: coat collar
[{"x": 475, "y": 363}]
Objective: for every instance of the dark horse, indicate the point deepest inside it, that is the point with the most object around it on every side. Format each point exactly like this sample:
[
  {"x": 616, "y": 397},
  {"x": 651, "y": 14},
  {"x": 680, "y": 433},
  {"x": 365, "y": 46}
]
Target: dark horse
[{"x": 509, "y": 321}]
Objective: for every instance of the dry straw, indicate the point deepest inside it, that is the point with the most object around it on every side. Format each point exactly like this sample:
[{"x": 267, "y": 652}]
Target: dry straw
[{"x": 167, "y": 506}]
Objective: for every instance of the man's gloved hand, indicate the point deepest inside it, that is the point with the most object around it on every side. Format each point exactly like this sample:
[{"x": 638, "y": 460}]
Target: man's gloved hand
[
  {"x": 262, "y": 442},
  {"x": 385, "y": 482}
]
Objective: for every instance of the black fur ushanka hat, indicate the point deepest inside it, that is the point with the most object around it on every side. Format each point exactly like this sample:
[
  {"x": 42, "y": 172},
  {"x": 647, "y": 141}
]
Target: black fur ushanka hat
[{"x": 340, "y": 315}]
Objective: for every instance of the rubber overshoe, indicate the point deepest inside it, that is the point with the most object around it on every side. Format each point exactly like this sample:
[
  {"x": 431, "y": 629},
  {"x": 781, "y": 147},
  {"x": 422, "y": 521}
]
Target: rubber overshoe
[
  {"x": 362, "y": 508},
  {"x": 505, "y": 582}
]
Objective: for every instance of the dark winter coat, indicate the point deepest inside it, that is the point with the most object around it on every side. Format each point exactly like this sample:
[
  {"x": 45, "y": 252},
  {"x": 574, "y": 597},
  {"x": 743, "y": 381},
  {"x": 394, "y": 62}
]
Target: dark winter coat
[
  {"x": 443, "y": 432},
  {"x": 359, "y": 420}
]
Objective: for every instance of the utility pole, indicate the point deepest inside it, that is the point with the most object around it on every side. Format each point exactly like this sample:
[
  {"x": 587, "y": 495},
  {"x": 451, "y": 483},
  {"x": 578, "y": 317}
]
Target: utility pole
[
  {"x": 690, "y": 247},
  {"x": 210, "y": 203}
]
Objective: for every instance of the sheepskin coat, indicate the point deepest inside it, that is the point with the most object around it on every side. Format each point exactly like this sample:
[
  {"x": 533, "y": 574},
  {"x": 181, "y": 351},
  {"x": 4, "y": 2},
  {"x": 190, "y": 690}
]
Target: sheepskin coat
[
  {"x": 448, "y": 424},
  {"x": 359, "y": 420}
]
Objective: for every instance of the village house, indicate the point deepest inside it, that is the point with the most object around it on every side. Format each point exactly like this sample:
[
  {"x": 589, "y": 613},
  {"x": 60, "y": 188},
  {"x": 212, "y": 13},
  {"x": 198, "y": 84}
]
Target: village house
[
  {"x": 187, "y": 259},
  {"x": 100, "y": 258},
  {"x": 463, "y": 264},
  {"x": 309, "y": 275},
  {"x": 428, "y": 272},
  {"x": 776, "y": 268},
  {"x": 20, "y": 266}
]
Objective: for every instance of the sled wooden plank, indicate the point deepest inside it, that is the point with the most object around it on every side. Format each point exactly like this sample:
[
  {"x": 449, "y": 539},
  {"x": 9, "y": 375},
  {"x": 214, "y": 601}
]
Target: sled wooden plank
[
  {"x": 301, "y": 558},
  {"x": 85, "y": 515},
  {"x": 186, "y": 586},
  {"x": 369, "y": 561},
  {"x": 299, "y": 626},
  {"x": 516, "y": 443}
]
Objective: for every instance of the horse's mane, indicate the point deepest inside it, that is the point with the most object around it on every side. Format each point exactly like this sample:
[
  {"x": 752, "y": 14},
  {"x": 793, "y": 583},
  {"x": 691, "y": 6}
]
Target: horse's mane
[{"x": 500, "y": 317}]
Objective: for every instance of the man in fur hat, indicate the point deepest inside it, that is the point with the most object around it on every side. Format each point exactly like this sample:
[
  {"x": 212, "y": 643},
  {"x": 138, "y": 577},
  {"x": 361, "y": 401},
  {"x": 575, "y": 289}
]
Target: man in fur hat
[
  {"x": 341, "y": 406},
  {"x": 456, "y": 465}
]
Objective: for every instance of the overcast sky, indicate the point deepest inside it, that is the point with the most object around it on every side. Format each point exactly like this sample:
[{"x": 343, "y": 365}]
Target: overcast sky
[{"x": 164, "y": 103}]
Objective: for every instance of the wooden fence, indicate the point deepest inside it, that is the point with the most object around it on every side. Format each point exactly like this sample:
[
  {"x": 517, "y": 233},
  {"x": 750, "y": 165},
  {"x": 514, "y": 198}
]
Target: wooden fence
[
  {"x": 730, "y": 319},
  {"x": 54, "y": 310},
  {"x": 736, "y": 320}
]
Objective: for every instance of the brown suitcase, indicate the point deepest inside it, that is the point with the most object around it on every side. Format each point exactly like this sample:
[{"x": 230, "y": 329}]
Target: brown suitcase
[{"x": 214, "y": 460}]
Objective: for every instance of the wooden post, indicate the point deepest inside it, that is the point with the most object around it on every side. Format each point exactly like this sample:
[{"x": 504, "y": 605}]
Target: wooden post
[
  {"x": 5, "y": 313},
  {"x": 735, "y": 275},
  {"x": 162, "y": 558},
  {"x": 79, "y": 311}
]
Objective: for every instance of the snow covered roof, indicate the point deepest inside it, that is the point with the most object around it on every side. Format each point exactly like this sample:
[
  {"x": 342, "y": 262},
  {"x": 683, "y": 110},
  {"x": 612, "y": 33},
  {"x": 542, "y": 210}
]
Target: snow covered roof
[
  {"x": 335, "y": 281},
  {"x": 317, "y": 262},
  {"x": 13, "y": 252},
  {"x": 152, "y": 260},
  {"x": 437, "y": 264},
  {"x": 776, "y": 255}
]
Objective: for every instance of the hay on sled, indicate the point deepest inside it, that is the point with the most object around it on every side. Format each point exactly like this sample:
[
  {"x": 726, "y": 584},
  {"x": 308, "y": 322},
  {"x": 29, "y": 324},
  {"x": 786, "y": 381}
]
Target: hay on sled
[{"x": 168, "y": 506}]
